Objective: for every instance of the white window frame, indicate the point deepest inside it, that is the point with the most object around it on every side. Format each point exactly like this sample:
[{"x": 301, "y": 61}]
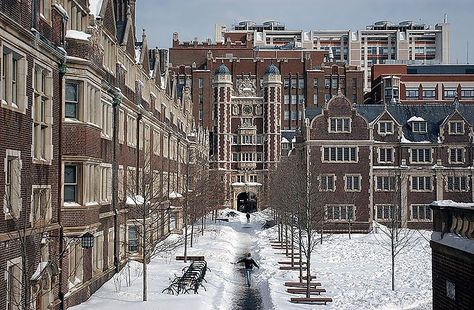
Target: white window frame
[
  {"x": 457, "y": 179},
  {"x": 387, "y": 211},
  {"x": 339, "y": 154},
  {"x": 421, "y": 183},
  {"x": 343, "y": 213},
  {"x": 460, "y": 152},
  {"x": 78, "y": 101},
  {"x": 349, "y": 185},
  {"x": 453, "y": 128},
  {"x": 15, "y": 100},
  {"x": 383, "y": 151},
  {"x": 383, "y": 130},
  {"x": 386, "y": 183},
  {"x": 415, "y": 156},
  {"x": 12, "y": 203},
  {"x": 339, "y": 125},
  {"x": 425, "y": 209},
  {"x": 419, "y": 126},
  {"x": 326, "y": 186}
]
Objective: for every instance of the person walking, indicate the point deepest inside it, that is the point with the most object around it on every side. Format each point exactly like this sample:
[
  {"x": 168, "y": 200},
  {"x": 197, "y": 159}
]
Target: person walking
[
  {"x": 249, "y": 263},
  {"x": 248, "y": 217}
]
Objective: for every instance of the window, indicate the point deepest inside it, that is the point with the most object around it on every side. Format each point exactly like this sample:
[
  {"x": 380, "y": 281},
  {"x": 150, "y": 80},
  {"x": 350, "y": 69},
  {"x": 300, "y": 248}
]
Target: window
[
  {"x": 449, "y": 93},
  {"x": 456, "y": 128},
  {"x": 44, "y": 8},
  {"x": 429, "y": 93},
  {"x": 293, "y": 99},
  {"x": 247, "y": 139},
  {"x": 110, "y": 247},
  {"x": 13, "y": 80},
  {"x": 457, "y": 183},
  {"x": 301, "y": 99},
  {"x": 247, "y": 156},
  {"x": 12, "y": 198},
  {"x": 42, "y": 115},
  {"x": 121, "y": 129},
  {"x": 301, "y": 83},
  {"x": 340, "y": 154},
  {"x": 75, "y": 264},
  {"x": 327, "y": 182},
  {"x": 106, "y": 118},
  {"x": 386, "y": 212},
  {"x": 327, "y": 97},
  {"x": 70, "y": 183},
  {"x": 352, "y": 183},
  {"x": 131, "y": 131},
  {"x": 467, "y": 93},
  {"x": 419, "y": 127},
  {"x": 327, "y": 82},
  {"x": 315, "y": 96},
  {"x": 421, "y": 213},
  {"x": 315, "y": 83},
  {"x": 286, "y": 99},
  {"x": 286, "y": 115},
  {"x": 412, "y": 93},
  {"x": 240, "y": 178},
  {"x": 201, "y": 83},
  {"x": 106, "y": 183},
  {"x": 132, "y": 239},
  {"x": 286, "y": 83},
  {"x": 253, "y": 178},
  {"x": 385, "y": 155},
  {"x": 334, "y": 82},
  {"x": 385, "y": 127},
  {"x": 294, "y": 115},
  {"x": 421, "y": 155},
  {"x": 340, "y": 212},
  {"x": 456, "y": 155},
  {"x": 259, "y": 156},
  {"x": 421, "y": 183},
  {"x": 293, "y": 83},
  {"x": 13, "y": 276},
  {"x": 339, "y": 125},
  {"x": 41, "y": 211},
  {"x": 156, "y": 142},
  {"x": 71, "y": 109},
  {"x": 385, "y": 183}
]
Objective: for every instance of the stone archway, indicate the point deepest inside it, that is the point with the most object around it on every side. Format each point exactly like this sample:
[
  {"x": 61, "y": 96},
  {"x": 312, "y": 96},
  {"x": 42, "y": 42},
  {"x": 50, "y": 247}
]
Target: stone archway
[{"x": 247, "y": 202}]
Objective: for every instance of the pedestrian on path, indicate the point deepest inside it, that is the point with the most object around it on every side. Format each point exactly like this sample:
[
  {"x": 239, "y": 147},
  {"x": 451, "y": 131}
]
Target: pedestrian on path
[
  {"x": 248, "y": 217},
  {"x": 249, "y": 263}
]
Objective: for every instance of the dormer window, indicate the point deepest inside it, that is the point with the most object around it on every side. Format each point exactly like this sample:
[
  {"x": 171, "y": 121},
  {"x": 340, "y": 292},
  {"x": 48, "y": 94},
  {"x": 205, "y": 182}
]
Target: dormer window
[
  {"x": 339, "y": 125},
  {"x": 386, "y": 128},
  {"x": 456, "y": 128},
  {"x": 418, "y": 124}
]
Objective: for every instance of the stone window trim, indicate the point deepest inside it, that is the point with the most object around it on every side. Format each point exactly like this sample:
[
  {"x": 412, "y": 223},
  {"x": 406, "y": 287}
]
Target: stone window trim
[
  {"x": 384, "y": 212},
  {"x": 339, "y": 125},
  {"x": 42, "y": 115},
  {"x": 460, "y": 151},
  {"x": 75, "y": 264},
  {"x": 353, "y": 176},
  {"x": 388, "y": 183},
  {"x": 12, "y": 200},
  {"x": 46, "y": 217},
  {"x": 345, "y": 212},
  {"x": 456, "y": 127},
  {"x": 327, "y": 182},
  {"x": 339, "y": 154},
  {"x": 75, "y": 183},
  {"x": 98, "y": 253},
  {"x": 424, "y": 183},
  {"x": 457, "y": 183},
  {"x": 44, "y": 9},
  {"x": 385, "y": 128},
  {"x": 417, "y": 158},
  {"x": 8, "y": 80},
  {"x": 423, "y": 208},
  {"x": 77, "y": 116},
  {"x": 380, "y": 156},
  {"x": 17, "y": 278}
]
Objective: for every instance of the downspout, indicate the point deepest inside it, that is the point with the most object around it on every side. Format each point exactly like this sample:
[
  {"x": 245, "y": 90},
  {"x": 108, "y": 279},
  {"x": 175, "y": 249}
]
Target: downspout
[{"x": 117, "y": 99}]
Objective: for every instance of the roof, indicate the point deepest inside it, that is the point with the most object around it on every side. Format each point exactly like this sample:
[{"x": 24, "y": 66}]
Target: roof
[
  {"x": 272, "y": 70},
  {"x": 222, "y": 70},
  {"x": 441, "y": 69}
]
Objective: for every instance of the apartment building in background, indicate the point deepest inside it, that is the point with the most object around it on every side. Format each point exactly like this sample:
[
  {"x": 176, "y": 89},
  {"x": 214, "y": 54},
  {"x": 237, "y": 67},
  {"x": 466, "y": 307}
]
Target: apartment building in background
[{"x": 383, "y": 42}]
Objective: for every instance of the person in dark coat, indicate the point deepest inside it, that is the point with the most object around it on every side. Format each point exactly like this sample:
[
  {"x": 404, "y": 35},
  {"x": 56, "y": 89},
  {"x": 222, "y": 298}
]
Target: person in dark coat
[
  {"x": 248, "y": 217},
  {"x": 249, "y": 263}
]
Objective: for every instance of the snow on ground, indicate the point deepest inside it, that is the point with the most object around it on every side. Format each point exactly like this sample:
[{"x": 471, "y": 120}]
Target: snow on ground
[{"x": 355, "y": 272}]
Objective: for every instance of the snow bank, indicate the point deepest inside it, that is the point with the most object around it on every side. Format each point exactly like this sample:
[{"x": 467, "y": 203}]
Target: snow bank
[
  {"x": 78, "y": 35},
  {"x": 95, "y": 7},
  {"x": 454, "y": 241}
]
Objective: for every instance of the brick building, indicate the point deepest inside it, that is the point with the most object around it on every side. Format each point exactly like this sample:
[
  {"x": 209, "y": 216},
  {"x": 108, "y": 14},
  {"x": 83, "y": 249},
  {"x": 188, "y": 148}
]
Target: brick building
[
  {"x": 372, "y": 161},
  {"x": 452, "y": 244},
  {"x": 423, "y": 83},
  {"x": 228, "y": 83},
  {"x": 30, "y": 100},
  {"x": 96, "y": 132},
  {"x": 379, "y": 43}
]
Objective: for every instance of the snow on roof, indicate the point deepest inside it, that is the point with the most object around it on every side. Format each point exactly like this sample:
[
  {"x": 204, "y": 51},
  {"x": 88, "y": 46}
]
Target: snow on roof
[
  {"x": 405, "y": 140},
  {"x": 138, "y": 52},
  {"x": 294, "y": 139},
  {"x": 78, "y": 35},
  {"x": 453, "y": 241},
  {"x": 61, "y": 9},
  {"x": 415, "y": 119},
  {"x": 238, "y": 184},
  {"x": 135, "y": 200},
  {"x": 454, "y": 204},
  {"x": 39, "y": 271},
  {"x": 95, "y": 7},
  {"x": 284, "y": 140},
  {"x": 174, "y": 195},
  {"x": 253, "y": 184}
]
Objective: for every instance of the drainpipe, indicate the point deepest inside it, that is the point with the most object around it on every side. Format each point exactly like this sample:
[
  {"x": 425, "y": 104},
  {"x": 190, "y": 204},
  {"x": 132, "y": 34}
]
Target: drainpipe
[
  {"x": 117, "y": 99},
  {"x": 137, "y": 186}
]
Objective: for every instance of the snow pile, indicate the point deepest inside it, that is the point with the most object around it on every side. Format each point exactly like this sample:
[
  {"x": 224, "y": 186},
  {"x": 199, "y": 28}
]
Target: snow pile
[
  {"x": 416, "y": 119},
  {"x": 355, "y": 272},
  {"x": 95, "y": 7},
  {"x": 78, "y": 35}
]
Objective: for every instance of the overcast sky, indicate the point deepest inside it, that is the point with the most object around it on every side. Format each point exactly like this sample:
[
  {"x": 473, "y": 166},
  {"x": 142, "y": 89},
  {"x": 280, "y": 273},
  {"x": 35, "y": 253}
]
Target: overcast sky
[{"x": 196, "y": 18}]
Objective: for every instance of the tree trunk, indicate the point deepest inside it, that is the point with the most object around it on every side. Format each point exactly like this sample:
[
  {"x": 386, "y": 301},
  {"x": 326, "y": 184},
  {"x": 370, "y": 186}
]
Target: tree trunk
[
  {"x": 292, "y": 242},
  {"x": 393, "y": 261},
  {"x": 144, "y": 261},
  {"x": 301, "y": 253},
  {"x": 192, "y": 232},
  {"x": 308, "y": 263},
  {"x": 286, "y": 239}
]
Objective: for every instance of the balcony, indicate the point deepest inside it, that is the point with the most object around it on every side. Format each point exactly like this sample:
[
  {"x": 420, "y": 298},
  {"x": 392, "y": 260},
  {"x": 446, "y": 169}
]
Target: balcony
[{"x": 245, "y": 165}]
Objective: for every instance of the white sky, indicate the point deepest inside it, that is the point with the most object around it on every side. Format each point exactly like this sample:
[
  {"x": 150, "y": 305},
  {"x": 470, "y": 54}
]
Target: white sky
[{"x": 196, "y": 18}]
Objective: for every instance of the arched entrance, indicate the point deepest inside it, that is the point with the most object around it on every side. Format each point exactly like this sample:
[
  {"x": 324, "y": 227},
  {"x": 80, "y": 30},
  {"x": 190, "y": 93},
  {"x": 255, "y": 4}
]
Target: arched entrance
[{"x": 247, "y": 202}]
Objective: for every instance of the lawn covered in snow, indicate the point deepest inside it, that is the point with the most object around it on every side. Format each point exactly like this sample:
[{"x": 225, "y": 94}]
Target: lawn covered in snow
[{"x": 355, "y": 273}]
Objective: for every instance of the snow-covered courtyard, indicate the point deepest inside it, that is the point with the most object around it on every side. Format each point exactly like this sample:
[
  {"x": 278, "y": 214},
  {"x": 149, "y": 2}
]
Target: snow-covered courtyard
[{"x": 355, "y": 273}]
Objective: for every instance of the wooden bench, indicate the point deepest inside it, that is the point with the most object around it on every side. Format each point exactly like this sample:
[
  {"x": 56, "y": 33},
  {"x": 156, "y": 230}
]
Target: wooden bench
[
  {"x": 302, "y": 284},
  {"x": 190, "y": 257},
  {"x": 223, "y": 220},
  {"x": 312, "y": 291},
  {"x": 311, "y": 300}
]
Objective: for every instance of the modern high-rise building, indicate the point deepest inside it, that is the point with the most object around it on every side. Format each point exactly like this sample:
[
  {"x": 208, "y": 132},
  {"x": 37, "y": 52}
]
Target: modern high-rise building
[{"x": 383, "y": 42}]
